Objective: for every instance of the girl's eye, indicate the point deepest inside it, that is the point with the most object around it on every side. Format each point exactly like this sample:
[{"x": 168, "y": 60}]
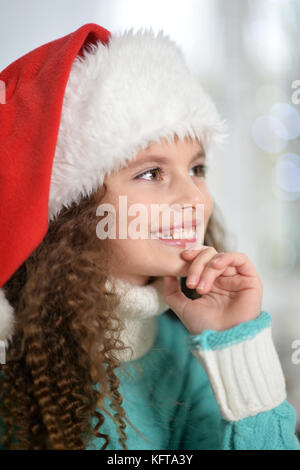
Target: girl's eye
[
  {"x": 153, "y": 170},
  {"x": 201, "y": 171}
]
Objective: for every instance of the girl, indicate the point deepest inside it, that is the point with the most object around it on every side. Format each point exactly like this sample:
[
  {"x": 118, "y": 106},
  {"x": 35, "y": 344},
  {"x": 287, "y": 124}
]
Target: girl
[{"x": 104, "y": 349}]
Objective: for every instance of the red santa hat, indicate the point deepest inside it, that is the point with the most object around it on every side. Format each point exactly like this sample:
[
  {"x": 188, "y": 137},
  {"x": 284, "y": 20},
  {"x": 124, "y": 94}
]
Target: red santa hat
[{"x": 76, "y": 109}]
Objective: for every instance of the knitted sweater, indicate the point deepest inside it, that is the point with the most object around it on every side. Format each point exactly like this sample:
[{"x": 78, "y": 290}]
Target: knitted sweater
[{"x": 215, "y": 390}]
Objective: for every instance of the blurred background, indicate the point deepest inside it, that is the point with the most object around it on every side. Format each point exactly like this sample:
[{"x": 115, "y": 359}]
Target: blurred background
[{"x": 246, "y": 54}]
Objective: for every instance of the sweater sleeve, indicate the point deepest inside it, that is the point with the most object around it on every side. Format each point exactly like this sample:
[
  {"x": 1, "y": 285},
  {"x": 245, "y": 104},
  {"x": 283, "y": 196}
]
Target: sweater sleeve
[{"x": 245, "y": 376}]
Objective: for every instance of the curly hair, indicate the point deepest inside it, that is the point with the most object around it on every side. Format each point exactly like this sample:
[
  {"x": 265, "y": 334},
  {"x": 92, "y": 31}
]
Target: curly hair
[{"x": 56, "y": 376}]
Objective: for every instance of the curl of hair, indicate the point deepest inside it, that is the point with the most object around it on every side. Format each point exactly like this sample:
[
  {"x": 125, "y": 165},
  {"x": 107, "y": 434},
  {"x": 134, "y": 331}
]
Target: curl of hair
[{"x": 56, "y": 375}]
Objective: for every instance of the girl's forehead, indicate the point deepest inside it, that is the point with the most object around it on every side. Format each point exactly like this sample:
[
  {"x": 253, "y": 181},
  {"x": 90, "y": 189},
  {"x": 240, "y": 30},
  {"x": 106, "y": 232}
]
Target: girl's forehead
[
  {"x": 164, "y": 143},
  {"x": 165, "y": 147}
]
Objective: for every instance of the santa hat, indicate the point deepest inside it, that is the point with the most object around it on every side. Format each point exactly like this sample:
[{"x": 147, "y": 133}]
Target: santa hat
[{"x": 76, "y": 109}]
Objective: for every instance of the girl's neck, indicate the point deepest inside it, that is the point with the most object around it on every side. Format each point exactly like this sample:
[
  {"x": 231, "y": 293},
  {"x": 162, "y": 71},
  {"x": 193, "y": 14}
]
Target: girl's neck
[{"x": 139, "y": 306}]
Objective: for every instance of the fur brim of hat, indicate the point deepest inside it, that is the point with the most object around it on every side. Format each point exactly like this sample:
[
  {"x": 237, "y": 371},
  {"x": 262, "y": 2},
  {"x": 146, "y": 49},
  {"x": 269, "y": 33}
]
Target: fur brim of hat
[{"x": 119, "y": 98}]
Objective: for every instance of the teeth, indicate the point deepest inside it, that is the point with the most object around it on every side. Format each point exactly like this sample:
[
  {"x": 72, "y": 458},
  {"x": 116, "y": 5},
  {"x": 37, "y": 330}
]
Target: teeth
[{"x": 177, "y": 234}]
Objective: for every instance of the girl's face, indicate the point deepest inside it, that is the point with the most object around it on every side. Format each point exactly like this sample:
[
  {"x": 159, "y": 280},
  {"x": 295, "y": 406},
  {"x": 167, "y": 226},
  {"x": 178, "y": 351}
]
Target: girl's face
[{"x": 176, "y": 179}]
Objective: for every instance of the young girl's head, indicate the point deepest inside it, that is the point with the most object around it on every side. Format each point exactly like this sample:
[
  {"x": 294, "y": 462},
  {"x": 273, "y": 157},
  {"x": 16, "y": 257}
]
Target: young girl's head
[
  {"x": 177, "y": 180},
  {"x": 134, "y": 123}
]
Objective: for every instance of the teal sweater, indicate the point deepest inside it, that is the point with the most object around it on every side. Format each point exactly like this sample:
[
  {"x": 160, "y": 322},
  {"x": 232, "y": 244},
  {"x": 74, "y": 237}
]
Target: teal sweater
[
  {"x": 215, "y": 390},
  {"x": 168, "y": 397}
]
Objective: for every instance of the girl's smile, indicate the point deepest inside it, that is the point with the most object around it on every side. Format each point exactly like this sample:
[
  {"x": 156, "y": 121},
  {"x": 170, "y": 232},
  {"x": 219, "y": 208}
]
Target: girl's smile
[
  {"x": 178, "y": 237},
  {"x": 175, "y": 182}
]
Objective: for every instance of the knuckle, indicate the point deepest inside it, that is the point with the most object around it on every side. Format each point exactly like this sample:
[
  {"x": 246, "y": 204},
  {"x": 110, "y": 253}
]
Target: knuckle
[
  {"x": 209, "y": 249},
  {"x": 202, "y": 261}
]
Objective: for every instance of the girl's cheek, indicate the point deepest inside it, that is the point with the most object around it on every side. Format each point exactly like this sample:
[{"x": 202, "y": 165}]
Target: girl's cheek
[
  {"x": 209, "y": 205},
  {"x": 210, "y": 209}
]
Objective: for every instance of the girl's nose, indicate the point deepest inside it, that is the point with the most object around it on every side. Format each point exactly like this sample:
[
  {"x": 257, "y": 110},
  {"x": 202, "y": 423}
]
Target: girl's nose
[{"x": 187, "y": 194}]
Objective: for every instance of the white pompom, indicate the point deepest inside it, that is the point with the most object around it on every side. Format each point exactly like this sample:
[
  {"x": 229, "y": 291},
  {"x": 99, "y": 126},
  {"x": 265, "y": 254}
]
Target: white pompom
[{"x": 7, "y": 319}]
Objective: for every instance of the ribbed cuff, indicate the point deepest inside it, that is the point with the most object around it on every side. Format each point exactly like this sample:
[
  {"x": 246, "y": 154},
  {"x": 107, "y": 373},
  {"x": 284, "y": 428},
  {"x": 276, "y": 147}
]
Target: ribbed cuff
[{"x": 246, "y": 377}]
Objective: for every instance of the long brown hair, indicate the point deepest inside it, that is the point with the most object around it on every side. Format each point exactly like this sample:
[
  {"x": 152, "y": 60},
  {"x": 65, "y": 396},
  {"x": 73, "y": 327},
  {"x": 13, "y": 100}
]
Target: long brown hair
[{"x": 48, "y": 395}]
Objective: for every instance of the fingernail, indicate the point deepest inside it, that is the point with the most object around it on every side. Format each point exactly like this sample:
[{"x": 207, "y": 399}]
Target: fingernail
[
  {"x": 192, "y": 280},
  {"x": 201, "y": 285}
]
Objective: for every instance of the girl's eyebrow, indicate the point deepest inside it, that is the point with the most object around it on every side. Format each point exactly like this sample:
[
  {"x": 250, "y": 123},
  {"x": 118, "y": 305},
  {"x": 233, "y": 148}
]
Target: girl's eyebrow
[{"x": 161, "y": 159}]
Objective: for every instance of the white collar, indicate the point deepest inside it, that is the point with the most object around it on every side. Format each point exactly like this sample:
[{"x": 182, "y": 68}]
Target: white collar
[{"x": 139, "y": 306}]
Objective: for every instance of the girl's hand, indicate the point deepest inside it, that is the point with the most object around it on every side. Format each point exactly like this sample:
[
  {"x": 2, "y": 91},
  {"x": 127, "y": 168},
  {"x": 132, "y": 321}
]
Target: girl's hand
[{"x": 232, "y": 293}]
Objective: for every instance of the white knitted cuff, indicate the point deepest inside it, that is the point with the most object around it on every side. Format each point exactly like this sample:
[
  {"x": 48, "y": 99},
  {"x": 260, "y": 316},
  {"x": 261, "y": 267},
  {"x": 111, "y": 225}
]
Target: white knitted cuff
[{"x": 246, "y": 378}]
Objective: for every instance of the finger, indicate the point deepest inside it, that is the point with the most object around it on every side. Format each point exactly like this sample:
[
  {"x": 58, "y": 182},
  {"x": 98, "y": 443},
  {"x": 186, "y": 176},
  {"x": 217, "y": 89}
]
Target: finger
[
  {"x": 197, "y": 265},
  {"x": 216, "y": 267},
  {"x": 192, "y": 253},
  {"x": 238, "y": 260},
  {"x": 218, "y": 261},
  {"x": 230, "y": 271},
  {"x": 173, "y": 295},
  {"x": 210, "y": 274}
]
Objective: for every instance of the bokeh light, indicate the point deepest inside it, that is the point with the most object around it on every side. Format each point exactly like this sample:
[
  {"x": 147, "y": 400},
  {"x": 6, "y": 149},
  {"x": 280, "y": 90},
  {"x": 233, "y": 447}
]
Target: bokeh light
[
  {"x": 286, "y": 177},
  {"x": 267, "y": 132},
  {"x": 289, "y": 118}
]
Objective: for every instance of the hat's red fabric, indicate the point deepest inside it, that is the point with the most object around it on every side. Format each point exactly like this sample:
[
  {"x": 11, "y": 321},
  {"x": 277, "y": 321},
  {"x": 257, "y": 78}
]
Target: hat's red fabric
[{"x": 29, "y": 123}]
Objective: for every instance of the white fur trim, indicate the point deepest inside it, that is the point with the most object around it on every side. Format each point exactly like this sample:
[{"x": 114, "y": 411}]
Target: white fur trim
[
  {"x": 119, "y": 98},
  {"x": 6, "y": 318},
  {"x": 138, "y": 302},
  {"x": 139, "y": 306}
]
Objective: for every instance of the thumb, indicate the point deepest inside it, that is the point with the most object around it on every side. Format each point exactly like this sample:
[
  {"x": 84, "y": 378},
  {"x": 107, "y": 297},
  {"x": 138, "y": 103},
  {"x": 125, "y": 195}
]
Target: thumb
[{"x": 173, "y": 295}]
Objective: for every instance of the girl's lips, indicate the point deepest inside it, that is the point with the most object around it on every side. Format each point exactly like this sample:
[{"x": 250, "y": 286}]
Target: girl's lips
[{"x": 177, "y": 242}]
